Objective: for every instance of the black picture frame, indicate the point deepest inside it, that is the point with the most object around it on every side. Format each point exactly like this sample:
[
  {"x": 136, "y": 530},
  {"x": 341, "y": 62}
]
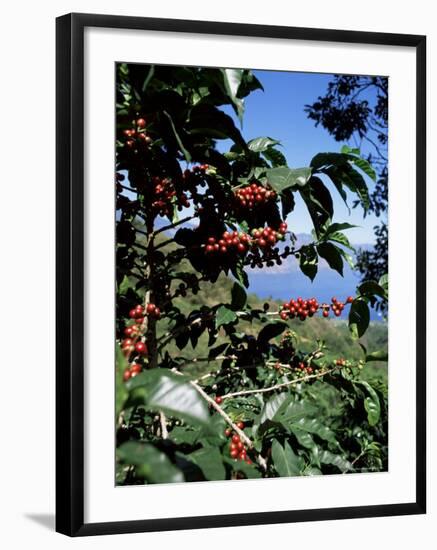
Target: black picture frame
[{"x": 70, "y": 273}]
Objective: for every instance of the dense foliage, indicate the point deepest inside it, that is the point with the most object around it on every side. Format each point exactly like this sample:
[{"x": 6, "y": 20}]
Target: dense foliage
[
  {"x": 255, "y": 402},
  {"x": 356, "y": 108}
]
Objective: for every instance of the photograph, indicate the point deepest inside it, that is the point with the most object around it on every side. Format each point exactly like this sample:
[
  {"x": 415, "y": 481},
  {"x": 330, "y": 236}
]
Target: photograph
[{"x": 251, "y": 274}]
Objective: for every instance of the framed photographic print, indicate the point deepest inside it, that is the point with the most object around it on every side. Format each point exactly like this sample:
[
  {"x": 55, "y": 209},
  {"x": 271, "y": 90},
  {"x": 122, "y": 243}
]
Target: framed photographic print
[{"x": 240, "y": 274}]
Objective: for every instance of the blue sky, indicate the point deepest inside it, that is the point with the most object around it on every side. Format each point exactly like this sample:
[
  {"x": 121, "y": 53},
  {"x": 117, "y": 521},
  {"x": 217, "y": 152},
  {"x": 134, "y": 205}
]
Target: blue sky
[{"x": 278, "y": 112}]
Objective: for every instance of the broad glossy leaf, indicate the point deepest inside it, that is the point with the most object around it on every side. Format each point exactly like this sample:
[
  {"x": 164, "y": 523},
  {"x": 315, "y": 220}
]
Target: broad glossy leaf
[
  {"x": 209, "y": 460},
  {"x": 239, "y": 297},
  {"x": 326, "y": 457},
  {"x": 240, "y": 274},
  {"x": 258, "y": 145},
  {"x": 232, "y": 80},
  {"x": 371, "y": 288},
  {"x": 308, "y": 261},
  {"x": 275, "y": 157},
  {"x": 183, "y": 434},
  {"x": 314, "y": 426},
  {"x": 341, "y": 238},
  {"x": 359, "y": 318},
  {"x": 286, "y": 462},
  {"x": 271, "y": 330},
  {"x": 282, "y": 178},
  {"x": 173, "y": 394},
  {"x": 371, "y": 404},
  {"x": 150, "y": 463},
  {"x": 224, "y": 315},
  {"x": 332, "y": 255}
]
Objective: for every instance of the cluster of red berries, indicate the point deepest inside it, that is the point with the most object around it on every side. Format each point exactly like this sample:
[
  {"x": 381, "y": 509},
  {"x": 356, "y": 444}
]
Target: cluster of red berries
[
  {"x": 307, "y": 308},
  {"x": 129, "y": 345},
  {"x": 138, "y": 313},
  {"x": 337, "y": 306},
  {"x": 254, "y": 194},
  {"x": 299, "y": 308},
  {"x": 267, "y": 237},
  {"x": 230, "y": 241},
  {"x": 237, "y": 449},
  {"x": 164, "y": 192},
  {"x": 132, "y": 371},
  {"x": 263, "y": 238},
  {"x": 137, "y": 133},
  {"x": 195, "y": 173},
  {"x": 153, "y": 311}
]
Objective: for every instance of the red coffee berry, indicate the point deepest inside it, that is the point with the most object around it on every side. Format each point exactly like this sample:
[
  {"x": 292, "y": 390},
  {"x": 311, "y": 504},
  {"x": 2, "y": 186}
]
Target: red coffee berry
[
  {"x": 135, "y": 367},
  {"x": 141, "y": 123},
  {"x": 240, "y": 425},
  {"x": 349, "y": 299},
  {"x": 126, "y": 375},
  {"x": 218, "y": 399},
  {"x": 325, "y": 313},
  {"x": 234, "y": 453},
  {"x": 141, "y": 347},
  {"x": 235, "y": 438},
  {"x": 228, "y": 432}
]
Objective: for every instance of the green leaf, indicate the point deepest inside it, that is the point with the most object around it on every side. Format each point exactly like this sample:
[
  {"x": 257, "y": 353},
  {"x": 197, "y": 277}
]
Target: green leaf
[
  {"x": 380, "y": 355},
  {"x": 173, "y": 394},
  {"x": 121, "y": 392},
  {"x": 178, "y": 139},
  {"x": 249, "y": 470},
  {"x": 366, "y": 167},
  {"x": 240, "y": 274},
  {"x": 371, "y": 404},
  {"x": 371, "y": 288},
  {"x": 209, "y": 460},
  {"x": 308, "y": 261},
  {"x": 282, "y": 178},
  {"x": 318, "y": 200},
  {"x": 340, "y": 238},
  {"x": 239, "y": 297},
  {"x": 359, "y": 318},
  {"x": 271, "y": 330},
  {"x": 286, "y": 462},
  {"x": 183, "y": 434},
  {"x": 224, "y": 316},
  {"x": 209, "y": 121},
  {"x": 218, "y": 350},
  {"x": 275, "y": 157},
  {"x": 314, "y": 426},
  {"x": 232, "y": 80},
  {"x": 150, "y": 463},
  {"x": 326, "y": 457},
  {"x": 352, "y": 150},
  {"x": 334, "y": 227},
  {"x": 258, "y": 145},
  {"x": 348, "y": 258},
  {"x": 332, "y": 255}
]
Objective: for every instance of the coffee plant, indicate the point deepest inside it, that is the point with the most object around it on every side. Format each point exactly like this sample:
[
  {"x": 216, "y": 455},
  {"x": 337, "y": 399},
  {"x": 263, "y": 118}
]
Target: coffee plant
[{"x": 255, "y": 404}]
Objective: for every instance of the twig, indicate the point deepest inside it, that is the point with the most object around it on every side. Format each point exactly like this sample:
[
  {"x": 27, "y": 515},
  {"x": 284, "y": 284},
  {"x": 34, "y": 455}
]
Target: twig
[
  {"x": 278, "y": 386},
  {"x": 261, "y": 461},
  {"x": 172, "y": 225},
  {"x": 163, "y": 422}
]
